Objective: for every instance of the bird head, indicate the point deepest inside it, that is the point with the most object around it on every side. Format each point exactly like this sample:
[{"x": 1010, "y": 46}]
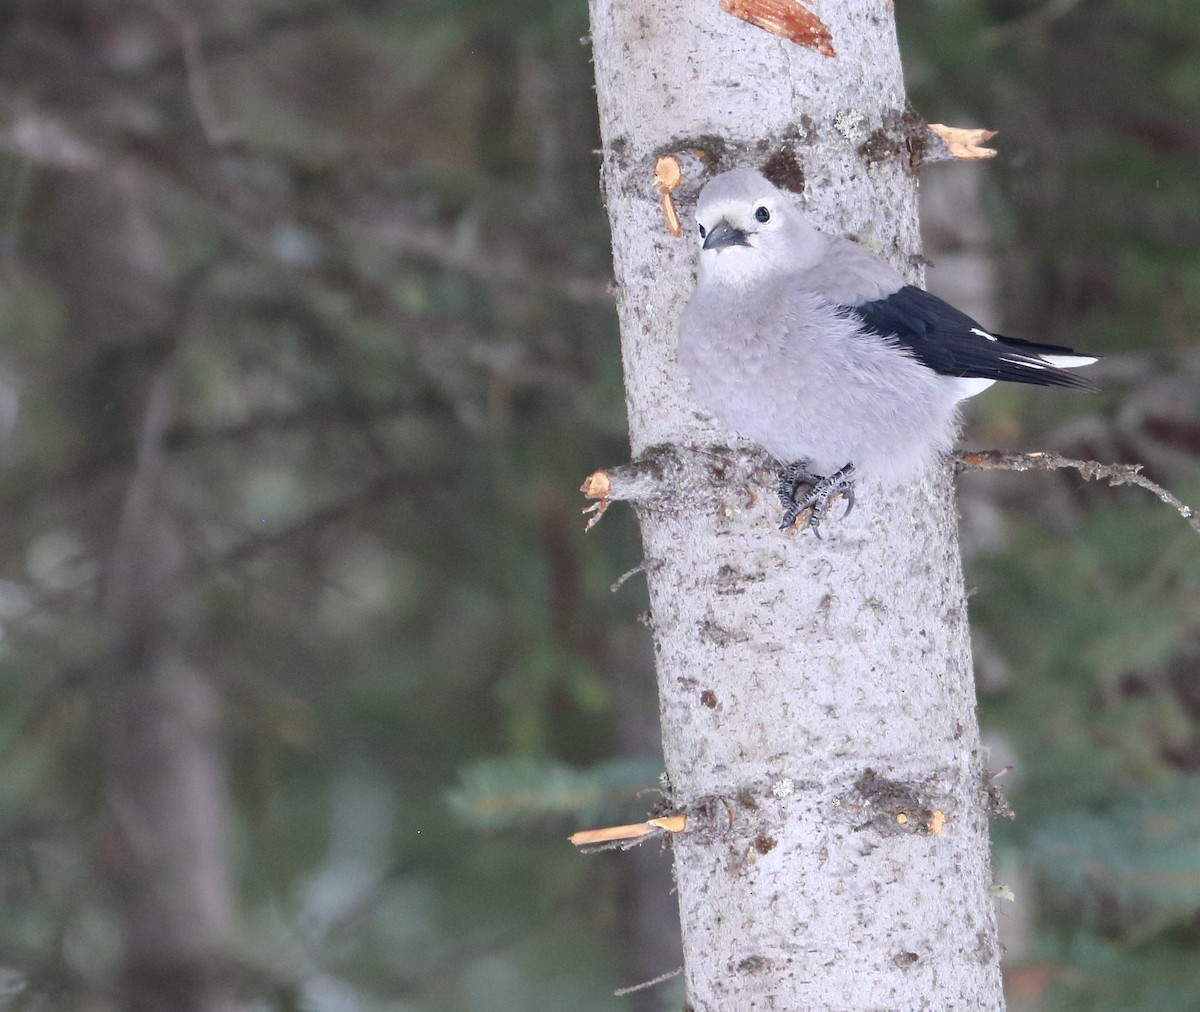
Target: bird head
[{"x": 748, "y": 229}]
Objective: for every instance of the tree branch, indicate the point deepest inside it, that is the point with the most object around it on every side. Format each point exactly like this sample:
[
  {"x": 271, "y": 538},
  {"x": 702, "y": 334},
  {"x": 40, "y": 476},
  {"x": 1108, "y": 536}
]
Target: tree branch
[
  {"x": 687, "y": 475},
  {"x": 199, "y": 81},
  {"x": 380, "y": 491},
  {"x": 1114, "y": 474}
]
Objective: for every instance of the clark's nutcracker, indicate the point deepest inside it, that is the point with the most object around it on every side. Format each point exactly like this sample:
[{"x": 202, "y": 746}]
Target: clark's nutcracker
[{"x": 817, "y": 349}]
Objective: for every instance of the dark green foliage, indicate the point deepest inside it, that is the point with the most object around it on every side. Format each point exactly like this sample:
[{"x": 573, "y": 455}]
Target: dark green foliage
[
  {"x": 1131, "y": 865},
  {"x": 525, "y": 793},
  {"x": 367, "y": 243}
]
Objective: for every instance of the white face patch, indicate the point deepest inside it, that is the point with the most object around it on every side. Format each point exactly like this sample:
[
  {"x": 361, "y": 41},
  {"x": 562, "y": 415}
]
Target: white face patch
[
  {"x": 775, "y": 239},
  {"x": 736, "y": 265}
]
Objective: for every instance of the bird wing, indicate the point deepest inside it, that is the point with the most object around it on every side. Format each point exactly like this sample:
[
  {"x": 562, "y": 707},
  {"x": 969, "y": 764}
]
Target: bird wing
[{"x": 951, "y": 343}]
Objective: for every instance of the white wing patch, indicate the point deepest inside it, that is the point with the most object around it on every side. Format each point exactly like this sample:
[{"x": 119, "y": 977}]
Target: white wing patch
[
  {"x": 1069, "y": 361},
  {"x": 983, "y": 333}
]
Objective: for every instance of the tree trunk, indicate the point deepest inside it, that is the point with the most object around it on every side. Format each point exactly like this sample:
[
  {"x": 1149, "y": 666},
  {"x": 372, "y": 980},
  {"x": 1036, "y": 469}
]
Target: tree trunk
[
  {"x": 816, "y": 695},
  {"x": 163, "y": 768},
  {"x": 157, "y": 716}
]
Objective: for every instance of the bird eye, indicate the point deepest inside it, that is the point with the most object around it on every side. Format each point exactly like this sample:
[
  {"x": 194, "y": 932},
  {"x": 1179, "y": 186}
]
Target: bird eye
[
  {"x": 761, "y": 214},
  {"x": 703, "y": 231}
]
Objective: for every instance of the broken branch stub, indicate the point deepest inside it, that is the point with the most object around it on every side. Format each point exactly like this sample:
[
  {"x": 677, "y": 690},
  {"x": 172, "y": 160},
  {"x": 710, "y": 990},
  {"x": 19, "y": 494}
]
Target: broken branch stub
[
  {"x": 964, "y": 142},
  {"x": 667, "y": 177}
]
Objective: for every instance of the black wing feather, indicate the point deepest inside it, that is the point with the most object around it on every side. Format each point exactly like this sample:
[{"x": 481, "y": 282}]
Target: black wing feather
[{"x": 950, "y": 343}]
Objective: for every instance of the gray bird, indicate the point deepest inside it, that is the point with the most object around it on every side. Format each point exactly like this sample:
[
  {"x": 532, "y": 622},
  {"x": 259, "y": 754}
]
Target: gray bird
[{"x": 816, "y": 348}]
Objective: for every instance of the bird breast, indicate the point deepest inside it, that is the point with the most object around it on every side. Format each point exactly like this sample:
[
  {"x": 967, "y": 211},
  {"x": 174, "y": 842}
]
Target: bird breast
[{"x": 794, "y": 373}]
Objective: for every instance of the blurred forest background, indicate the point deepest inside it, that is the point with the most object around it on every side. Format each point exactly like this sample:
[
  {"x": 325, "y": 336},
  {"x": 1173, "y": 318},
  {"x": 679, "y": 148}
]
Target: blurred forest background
[{"x": 308, "y": 666}]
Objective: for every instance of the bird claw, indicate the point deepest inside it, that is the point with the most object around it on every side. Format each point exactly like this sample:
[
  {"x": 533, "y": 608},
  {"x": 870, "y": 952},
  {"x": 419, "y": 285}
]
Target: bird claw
[{"x": 822, "y": 492}]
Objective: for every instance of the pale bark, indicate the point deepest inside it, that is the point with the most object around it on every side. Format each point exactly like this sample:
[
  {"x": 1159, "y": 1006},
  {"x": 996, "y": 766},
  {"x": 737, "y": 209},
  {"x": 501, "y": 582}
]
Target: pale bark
[{"x": 817, "y": 698}]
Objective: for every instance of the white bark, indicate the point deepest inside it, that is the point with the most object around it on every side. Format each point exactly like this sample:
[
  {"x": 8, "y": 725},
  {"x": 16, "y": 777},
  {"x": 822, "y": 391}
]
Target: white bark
[{"x": 790, "y": 667}]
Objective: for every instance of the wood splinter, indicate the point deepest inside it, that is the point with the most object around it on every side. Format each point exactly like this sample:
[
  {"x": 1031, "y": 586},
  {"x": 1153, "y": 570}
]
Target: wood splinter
[
  {"x": 667, "y": 177},
  {"x": 671, "y": 823},
  {"x": 785, "y": 18}
]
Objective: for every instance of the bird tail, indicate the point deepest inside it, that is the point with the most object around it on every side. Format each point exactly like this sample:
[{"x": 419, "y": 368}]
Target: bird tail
[{"x": 1048, "y": 363}]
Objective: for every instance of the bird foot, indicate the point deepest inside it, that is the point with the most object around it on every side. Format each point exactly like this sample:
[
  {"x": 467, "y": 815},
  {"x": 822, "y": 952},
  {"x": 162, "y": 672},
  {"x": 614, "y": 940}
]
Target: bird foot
[{"x": 802, "y": 491}]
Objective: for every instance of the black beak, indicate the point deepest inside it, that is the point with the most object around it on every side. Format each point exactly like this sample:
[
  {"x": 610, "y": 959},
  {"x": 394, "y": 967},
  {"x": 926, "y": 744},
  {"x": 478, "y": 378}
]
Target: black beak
[{"x": 725, "y": 235}]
